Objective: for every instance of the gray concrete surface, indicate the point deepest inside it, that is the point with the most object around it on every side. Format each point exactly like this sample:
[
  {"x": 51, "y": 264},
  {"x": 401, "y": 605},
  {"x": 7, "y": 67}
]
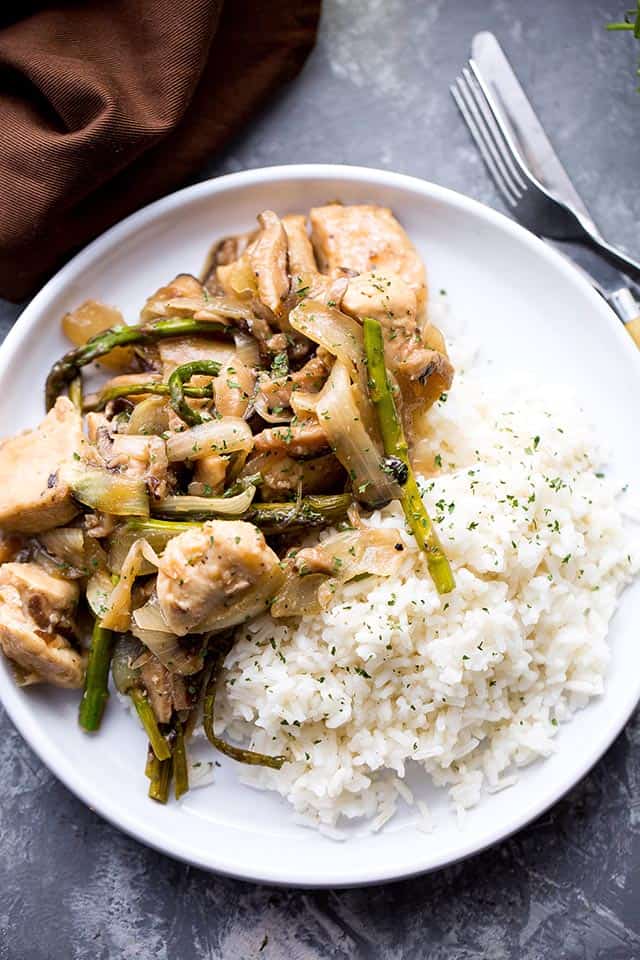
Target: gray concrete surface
[{"x": 375, "y": 92}]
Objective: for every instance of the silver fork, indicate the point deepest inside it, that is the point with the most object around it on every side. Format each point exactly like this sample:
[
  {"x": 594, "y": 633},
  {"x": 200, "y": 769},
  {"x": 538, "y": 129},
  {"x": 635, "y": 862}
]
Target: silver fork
[{"x": 529, "y": 201}]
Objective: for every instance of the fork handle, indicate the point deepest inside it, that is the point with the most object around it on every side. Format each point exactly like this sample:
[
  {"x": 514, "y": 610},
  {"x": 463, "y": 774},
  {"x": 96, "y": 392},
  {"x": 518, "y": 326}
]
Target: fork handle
[
  {"x": 631, "y": 268},
  {"x": 624, "y": 304}
]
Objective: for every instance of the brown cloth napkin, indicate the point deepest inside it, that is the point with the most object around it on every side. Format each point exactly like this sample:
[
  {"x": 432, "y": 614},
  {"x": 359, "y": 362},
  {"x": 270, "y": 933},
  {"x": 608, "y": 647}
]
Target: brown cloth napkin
[{"x": 106, "y": 106}]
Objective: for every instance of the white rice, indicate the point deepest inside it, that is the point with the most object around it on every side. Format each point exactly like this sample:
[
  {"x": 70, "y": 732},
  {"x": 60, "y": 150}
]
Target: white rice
[{"x": 469, "y": 686}]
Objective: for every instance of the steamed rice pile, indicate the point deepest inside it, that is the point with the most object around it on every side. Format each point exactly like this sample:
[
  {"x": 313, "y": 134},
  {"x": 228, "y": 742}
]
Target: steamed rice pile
[{"x": 471, "y": 685}]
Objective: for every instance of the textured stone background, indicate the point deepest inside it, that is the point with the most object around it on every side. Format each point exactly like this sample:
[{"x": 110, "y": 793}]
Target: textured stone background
[{"x": 375, "y": 92}]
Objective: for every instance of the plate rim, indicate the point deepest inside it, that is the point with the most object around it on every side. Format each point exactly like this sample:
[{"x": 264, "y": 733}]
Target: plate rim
[{"x": 24, "y": 719}]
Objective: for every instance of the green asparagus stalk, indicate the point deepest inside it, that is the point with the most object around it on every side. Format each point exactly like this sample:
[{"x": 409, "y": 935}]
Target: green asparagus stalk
[
  {"x": 159, "y": 773},
  {"x": 272, "y": 518},
  {"x": 177, "y": 381},
  {"x": 127, "y": 681},
  {"x": 68, "y": 367},
  {"x": 395, "y": 445},
  {"x": 144, "y": 710},
  {"x": 139, "y": 389},
  {"x": 236, "y": 753},
  {"x": 150, "y": 765},
  {"x": 180, "y": 768},
  {"x": 95, "y": 694}
]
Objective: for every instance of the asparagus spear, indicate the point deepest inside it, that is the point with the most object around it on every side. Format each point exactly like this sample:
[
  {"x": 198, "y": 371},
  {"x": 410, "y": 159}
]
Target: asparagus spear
[
  {"x": 126, "y": 678},
  {"x": 95, "y": 694},
  {"x": 395, "y": 445},
  {"x": 180, "y": 769},
  {"x": 137, "y": 389},
  {"x": 236, "y": 753},
  {"x": 159, "y": 773},
  {"x": 272, "y": 518},
  {"x": 67, "y": 368},
  {"x": 149, "y": 768},
  {"x": 177, "y": 380},
  {"x": 144, "y": 710}
]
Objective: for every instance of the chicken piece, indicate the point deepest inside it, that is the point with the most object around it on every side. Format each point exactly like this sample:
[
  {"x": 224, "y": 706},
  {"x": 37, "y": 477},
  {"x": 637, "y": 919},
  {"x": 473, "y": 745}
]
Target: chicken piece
[
  {"x": 36, "y": 612},
  {"x": 306, "y": 280},
  {"x": 11, "y": 544},
  {"x": 211, "y": 472},
  {"x": 301, "y": 441},
  {"x": 233, "y": 388},
  {"x": 260, "y": 277},
  {"x": 208, "y": 569},
  {"x": 387, "y": 298},
  {"x": 301, "y": 257},
  {"x": 308, "y": 379},
  {"x": 359, "y": 239},
  {"x": 166, "y": 691},
  {"x": 139, "y": 456},
  {"x": 33, "y": 496},
  {"x": 266, "y": 257}
]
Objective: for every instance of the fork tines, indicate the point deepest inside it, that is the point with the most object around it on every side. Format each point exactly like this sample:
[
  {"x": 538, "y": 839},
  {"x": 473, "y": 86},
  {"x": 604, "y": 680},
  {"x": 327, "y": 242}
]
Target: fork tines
[{"x": 487, "y": 129}]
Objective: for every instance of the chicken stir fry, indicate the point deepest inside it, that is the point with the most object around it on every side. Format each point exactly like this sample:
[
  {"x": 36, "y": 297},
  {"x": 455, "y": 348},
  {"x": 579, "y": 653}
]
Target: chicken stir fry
[{"x": 282, "y": 392}]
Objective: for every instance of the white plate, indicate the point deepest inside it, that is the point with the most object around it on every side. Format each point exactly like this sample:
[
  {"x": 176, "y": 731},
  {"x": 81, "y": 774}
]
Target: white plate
[{"x": 531, "y": 309}]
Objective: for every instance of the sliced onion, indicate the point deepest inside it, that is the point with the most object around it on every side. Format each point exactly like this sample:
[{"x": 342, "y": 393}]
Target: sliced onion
[
  {"x": 150, "y": 417},
  {"x": 205, "y": 506},
  {"x": 65, "y": 544},
  {"x": 90, "y": 319},
  {"x": 149, "y": 625},
  {"x": 261, "y": 407},
  {"x": 336, "y": 332},
  {"x": 173, "y": 353},
  {"x": 247, "y": 349},
  {"x": 345, "y": 557},
  {"x": 299, "y": 596},
  {"x": 303, "y": 403},
  {"x": 100, "y": 586},
  {"x": 104, "y": 490},
  {"x": 125, "y": 664},
  {"x": 216, "y": 436},
  {"x": 354, "y": 447},
  {"x": 124, "y": 536},
  {"x": 342, "y": 336},
  {"x": 238, "y": 277},
  {"x": 211, "y": 308},
  {"x": 118, "y": 613},
  {"x": 225, "y": 307}
]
